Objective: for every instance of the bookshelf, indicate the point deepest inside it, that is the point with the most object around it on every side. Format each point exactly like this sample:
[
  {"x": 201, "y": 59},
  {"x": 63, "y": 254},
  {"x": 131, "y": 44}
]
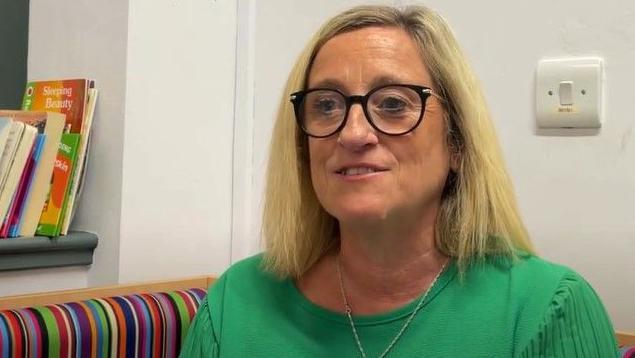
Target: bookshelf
[{"x": 74, "y": 249}]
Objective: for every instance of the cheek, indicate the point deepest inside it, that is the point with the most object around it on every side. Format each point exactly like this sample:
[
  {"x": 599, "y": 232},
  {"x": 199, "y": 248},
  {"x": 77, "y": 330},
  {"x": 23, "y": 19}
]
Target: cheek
[
  {"x": 427, "y": 158},
  {"x": 317, "y": 162}
]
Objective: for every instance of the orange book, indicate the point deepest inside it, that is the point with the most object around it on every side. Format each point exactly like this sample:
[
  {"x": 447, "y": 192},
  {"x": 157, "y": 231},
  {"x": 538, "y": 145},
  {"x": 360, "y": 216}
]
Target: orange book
[{"x": 68, "y": 97}]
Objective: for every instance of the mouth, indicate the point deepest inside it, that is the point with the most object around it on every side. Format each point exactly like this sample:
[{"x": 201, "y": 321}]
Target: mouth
[{"x": 359, "y": 170}]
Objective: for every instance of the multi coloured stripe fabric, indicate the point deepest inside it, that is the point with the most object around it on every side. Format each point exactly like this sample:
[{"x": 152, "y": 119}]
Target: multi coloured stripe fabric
[{"x": 143, "y": 325}]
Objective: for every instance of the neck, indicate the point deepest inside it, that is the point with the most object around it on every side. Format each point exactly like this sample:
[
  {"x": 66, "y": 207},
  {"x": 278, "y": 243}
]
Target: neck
[{"x": 386, "y": 267}]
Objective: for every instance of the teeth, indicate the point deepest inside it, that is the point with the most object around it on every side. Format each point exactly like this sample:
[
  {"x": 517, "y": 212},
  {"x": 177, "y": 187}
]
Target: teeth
[{"x": 358, "y": 171}]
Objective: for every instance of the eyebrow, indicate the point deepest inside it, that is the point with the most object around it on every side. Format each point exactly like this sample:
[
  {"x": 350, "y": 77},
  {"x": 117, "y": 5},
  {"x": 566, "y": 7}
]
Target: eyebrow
[
  {"x": 387, "y": 80},
  {"x": 328, "y": 83},
  {"x": 333, "y": 83}
]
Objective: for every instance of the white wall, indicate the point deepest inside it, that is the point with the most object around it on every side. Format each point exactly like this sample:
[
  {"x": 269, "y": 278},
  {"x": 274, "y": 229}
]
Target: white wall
[
  {"x": 42, "y": 280},
  {"x": 177, "y": 168},
  {"x": 577, "y": 193}
]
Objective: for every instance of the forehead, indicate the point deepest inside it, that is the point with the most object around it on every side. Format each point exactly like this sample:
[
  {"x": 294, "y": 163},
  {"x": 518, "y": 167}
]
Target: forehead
[{"x": 368, "y": 57}]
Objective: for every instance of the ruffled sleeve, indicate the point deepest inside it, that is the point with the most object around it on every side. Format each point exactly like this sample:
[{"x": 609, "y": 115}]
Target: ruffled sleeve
[
  {"x": 201, "y": 340},
  {"x": 574, "y": 325}
]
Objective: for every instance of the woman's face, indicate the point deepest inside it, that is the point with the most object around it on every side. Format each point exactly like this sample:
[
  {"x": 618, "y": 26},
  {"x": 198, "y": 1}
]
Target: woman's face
[{"x": 409, "y": 171}]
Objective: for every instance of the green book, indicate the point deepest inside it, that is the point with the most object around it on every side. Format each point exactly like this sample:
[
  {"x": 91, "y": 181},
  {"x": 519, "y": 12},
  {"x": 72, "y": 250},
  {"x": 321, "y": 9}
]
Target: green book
[{"x": 50, "y": 223}]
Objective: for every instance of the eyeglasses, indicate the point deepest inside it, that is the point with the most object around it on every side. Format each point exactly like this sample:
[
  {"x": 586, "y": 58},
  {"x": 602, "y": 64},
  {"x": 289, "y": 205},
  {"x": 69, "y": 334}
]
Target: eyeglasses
[{"x": 394, "y": 109}]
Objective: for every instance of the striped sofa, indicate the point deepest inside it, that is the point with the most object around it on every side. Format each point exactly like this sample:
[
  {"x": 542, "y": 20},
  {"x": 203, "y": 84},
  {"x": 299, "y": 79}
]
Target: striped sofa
[{"x": 135, "y": 325}]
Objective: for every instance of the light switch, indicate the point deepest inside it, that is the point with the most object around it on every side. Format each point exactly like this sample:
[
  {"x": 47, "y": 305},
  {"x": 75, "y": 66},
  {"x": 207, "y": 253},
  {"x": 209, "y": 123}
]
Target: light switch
[
  {"x": 564, "y": 91},
  {"x": 569, "y": 92}
]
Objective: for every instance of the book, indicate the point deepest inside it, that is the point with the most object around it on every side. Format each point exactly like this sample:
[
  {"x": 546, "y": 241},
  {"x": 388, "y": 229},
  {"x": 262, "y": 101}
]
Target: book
[
  {"x": 50, "y": 223},
  {"x": 68, "y": 97},
  {"x": 51, "y": 125},
  {"x": 82, "y": 159},
  {"x": 10, "y": 226},
  {"x": 25, "y": 145},
  {"x": 5, "y": 130},
  {"x": 9, "y": 152}
]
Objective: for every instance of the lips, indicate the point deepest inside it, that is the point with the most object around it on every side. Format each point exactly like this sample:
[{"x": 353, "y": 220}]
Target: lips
[{"x": 359, "y": 169}]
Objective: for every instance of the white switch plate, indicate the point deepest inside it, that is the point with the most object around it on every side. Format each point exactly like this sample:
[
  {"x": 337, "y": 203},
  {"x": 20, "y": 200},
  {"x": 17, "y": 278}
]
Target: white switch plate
[{"x": 569, "y": 92}]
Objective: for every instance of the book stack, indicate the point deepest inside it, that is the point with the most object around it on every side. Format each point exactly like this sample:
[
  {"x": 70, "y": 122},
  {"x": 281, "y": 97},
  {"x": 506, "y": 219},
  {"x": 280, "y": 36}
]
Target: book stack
[{"x": 44, "y": 150}]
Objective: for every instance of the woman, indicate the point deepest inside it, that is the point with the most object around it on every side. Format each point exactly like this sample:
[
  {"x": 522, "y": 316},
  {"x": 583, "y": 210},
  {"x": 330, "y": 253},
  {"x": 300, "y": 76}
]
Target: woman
[{"x": 390, "y": 223}]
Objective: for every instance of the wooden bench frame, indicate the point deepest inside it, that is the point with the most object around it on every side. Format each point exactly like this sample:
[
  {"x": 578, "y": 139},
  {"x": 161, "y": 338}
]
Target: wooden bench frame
[
  {"x": 55, "y": 297},
  {"x": 625, "y": 339}
]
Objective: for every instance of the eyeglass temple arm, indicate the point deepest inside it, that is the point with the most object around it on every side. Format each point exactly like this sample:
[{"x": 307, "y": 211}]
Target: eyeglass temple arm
[{"x": 430, "y": 92}]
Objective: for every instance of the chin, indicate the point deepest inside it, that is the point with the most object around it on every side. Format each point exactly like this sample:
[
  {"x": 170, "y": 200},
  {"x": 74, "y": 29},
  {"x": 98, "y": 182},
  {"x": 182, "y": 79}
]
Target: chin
[{"x": 360, "y": 213}]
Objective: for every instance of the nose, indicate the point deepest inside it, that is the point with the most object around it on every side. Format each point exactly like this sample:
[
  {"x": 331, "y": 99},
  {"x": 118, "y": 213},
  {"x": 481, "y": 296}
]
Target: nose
[{"x": 357, "y": 133}]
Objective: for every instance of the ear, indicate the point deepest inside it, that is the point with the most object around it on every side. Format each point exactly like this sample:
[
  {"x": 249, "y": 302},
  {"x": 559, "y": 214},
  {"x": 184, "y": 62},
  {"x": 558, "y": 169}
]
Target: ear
[{"x": 455, "y": 160}]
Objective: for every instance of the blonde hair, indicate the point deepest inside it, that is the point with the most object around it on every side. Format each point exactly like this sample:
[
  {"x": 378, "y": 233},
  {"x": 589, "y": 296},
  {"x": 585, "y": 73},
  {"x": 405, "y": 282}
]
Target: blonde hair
[{"x": 478, "y": 213}]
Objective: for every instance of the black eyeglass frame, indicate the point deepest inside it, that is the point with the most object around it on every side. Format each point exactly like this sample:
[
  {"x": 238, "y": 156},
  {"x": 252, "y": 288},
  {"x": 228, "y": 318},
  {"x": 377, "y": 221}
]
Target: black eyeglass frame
[{"x": 297, "y": 97}]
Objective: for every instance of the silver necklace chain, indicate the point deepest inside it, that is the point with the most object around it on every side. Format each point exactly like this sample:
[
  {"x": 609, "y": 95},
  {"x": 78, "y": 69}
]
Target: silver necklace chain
[{"x": 349, "y": 311}]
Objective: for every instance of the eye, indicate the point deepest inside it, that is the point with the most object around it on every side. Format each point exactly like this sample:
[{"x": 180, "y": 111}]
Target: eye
[
  {"x": 392, "y": 104},
  {"x": 325, "y": 105}
]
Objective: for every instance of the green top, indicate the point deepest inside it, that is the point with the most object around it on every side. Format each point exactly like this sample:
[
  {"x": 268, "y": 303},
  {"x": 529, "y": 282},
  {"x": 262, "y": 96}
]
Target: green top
[{"x": 499, "y": 308}]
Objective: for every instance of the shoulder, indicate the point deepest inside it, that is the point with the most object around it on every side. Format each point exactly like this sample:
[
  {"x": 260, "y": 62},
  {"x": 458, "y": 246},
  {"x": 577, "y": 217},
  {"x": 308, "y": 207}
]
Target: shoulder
[
  {"x": 245, "y": 268},
  {"x": 525, "y": 266},
  {"x": 243, "y": 275},
  {"x": 244, "y": 288},
  {"x": 556, "y": 311},
  {"x": 529, "y": 283},
  {"x": 556, "y": 284},
  {"x": 243, "y": 280},
  {"x": 237, "y": 282},
  {"x": 533, "y": 276},
  {"x": 526, "y": 279}
]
